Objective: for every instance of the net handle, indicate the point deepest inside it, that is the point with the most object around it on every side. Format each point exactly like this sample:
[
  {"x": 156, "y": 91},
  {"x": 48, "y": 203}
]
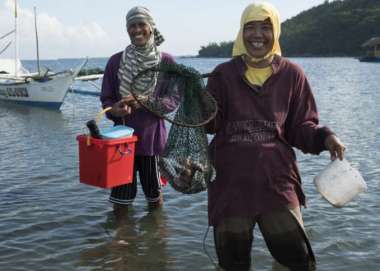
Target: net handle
[
  {"x": 156, "y": 69},
  {"x": 97, "y": 120},
  {"x": 101, "y": 114}
]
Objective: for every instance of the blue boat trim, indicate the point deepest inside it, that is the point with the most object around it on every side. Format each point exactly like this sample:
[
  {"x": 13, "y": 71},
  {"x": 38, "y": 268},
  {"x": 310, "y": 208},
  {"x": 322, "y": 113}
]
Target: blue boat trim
[
  {"x": 49, "y": 105},
  {"x": 85, "y": 92},
  {"x": 369, "y": 59}
]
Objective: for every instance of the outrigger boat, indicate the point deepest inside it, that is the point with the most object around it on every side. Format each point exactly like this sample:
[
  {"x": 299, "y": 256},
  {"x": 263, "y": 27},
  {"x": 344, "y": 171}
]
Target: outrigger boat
[
  {"x": 47, "y": 90},
  {"x": 44, "y": 88},
  {"x": 373, "y": 50}
]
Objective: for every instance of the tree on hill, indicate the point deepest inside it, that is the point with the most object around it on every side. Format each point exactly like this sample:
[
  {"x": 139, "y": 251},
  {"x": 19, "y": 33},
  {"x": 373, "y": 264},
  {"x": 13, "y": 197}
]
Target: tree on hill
[{"x": 222, "y": 49}]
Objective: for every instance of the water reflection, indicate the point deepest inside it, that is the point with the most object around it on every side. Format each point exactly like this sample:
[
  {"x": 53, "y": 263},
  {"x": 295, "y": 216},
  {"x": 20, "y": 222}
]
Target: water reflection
[{"x": 138, "y": 243}]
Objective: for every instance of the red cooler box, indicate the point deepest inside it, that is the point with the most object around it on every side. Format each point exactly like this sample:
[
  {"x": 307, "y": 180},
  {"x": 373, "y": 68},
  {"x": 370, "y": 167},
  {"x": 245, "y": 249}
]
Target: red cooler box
[{"x": 106, "y": 163}]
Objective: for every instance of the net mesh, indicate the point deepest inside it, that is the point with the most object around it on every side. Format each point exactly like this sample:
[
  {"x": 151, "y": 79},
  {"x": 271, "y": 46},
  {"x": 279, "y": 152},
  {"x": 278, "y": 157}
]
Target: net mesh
[{"x": 182, "y": 100}]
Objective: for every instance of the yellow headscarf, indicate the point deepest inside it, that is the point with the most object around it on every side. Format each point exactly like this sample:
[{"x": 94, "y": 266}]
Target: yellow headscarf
[{"x": 259, "y": 12}]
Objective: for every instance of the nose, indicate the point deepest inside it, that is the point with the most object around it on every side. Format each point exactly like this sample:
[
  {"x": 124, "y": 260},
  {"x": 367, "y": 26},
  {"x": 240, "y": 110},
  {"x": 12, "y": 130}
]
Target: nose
[
  {"x": 257, "y": 32},
  {"x": 139, "y": 27},
  {"x": 253, "y": 31},
  {"x": 135, "y": 28}
]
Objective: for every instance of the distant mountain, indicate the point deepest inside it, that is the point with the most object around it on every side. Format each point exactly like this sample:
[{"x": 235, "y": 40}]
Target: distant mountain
[
  {"x": 335, "y": 28},
  {"x": 223, "y": 49}
]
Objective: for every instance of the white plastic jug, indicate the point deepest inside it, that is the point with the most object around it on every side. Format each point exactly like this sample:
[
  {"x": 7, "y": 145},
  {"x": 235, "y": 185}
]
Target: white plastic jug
[{"x": 339, "y": 183}]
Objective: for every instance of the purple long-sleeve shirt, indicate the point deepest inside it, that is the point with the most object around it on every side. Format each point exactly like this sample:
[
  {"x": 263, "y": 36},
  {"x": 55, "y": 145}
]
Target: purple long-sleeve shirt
[
  {"x": 150, "y": 130},
  {"x": 256, "y": 128}
]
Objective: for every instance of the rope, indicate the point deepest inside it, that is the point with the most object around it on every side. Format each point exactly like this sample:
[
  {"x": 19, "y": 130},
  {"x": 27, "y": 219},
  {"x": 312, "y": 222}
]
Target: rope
[{"x": 205, "y": 249}]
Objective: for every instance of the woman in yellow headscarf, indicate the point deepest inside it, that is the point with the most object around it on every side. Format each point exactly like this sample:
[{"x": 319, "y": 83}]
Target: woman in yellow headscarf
[{"x": 266, "y": 107}]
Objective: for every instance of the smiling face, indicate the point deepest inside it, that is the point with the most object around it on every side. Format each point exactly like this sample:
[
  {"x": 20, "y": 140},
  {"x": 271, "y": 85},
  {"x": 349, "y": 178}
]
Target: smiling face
[
  {"x": 258, "y": 38},
  {"x": 139, "y": 33}
]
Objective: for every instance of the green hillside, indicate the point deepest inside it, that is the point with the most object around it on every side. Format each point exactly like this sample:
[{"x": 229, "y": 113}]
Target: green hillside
[
  {"x": 332, "y": 29},
  {"x": 335, "y": 28}
]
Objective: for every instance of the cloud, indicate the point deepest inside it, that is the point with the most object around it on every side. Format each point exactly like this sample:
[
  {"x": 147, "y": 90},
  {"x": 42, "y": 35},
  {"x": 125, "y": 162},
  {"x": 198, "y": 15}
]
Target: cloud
[{"x": 56, "y": 39}]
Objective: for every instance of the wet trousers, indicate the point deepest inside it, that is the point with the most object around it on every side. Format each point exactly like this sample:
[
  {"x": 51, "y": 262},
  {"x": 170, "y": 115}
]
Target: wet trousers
[
  {"x": 283, "y": 234},
  {"x": 147, "y": 167}
]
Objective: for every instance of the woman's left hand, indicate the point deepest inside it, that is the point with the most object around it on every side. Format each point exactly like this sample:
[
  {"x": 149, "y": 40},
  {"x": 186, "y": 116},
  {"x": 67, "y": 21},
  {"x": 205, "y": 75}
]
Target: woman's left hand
[
  {"x": 131, "y": 101},
  {"x": 335, "y": 147}
]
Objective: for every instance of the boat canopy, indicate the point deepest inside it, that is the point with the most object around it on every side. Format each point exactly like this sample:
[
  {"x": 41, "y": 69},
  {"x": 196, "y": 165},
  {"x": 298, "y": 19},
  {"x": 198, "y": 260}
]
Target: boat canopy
[
  {"x": 373, "y": 42},
  {"x": 8, "y": 66}
]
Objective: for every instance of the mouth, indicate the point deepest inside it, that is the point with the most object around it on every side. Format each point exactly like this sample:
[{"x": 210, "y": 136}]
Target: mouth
[
  {"x": 257, "y": 45},
  {"x": 138, "y": 36}
]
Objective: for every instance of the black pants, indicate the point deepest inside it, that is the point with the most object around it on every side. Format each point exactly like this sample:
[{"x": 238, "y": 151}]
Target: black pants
[
  {"x": 282, "y": 233},
  {"x": 147, "y": 168}
]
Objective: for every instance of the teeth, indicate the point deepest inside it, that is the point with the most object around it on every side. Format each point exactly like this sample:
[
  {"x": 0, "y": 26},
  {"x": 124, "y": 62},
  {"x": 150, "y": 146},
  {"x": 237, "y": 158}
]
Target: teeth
[{"x": 257, "y": 44}]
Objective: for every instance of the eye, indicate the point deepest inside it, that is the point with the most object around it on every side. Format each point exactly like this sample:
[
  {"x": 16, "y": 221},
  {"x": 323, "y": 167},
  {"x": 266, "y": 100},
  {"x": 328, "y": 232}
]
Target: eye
[
  {"x": 267, "y": 27},
  {"x": 142, "y": 24},
  {"x": 249, "y": 27},
  {"x": 132, "y": 26}
]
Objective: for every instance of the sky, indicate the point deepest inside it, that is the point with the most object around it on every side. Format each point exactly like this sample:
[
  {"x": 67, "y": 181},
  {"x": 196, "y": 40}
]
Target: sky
[{"x": 96, "y": 28}]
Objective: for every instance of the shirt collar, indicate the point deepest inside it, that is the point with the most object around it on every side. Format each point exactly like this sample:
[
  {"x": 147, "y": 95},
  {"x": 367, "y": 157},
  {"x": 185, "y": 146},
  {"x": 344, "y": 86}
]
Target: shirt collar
[{"x": 242, "y": 67}]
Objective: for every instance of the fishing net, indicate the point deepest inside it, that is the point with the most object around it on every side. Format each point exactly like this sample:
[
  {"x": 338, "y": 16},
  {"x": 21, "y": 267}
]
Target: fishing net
[{"x": 182, "y": 100}]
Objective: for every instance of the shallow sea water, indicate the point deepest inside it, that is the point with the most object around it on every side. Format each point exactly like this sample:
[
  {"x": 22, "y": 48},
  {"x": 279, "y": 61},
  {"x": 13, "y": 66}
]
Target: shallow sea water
[{"x": 49, "y": 221}]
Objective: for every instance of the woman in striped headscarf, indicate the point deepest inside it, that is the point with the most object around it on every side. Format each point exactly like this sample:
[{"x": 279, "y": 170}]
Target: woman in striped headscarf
[{"x": 141, "y": 54}]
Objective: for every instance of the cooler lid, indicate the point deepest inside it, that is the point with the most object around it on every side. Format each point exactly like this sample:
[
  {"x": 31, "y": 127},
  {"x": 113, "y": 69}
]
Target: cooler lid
[{"x": 117, "y": 131}]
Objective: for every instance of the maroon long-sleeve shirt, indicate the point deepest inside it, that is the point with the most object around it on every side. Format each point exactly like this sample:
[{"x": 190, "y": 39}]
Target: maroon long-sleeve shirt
[{"x": 256, "y": 128}]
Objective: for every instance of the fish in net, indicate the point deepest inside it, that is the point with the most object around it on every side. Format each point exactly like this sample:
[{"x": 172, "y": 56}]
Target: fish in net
[{"x": 185, "y": 103}]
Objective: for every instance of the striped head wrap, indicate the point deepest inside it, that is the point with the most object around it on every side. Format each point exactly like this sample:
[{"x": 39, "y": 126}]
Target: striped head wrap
[
  {"x": 138, "y": 58},
  {"x": 141, "y": 14}
]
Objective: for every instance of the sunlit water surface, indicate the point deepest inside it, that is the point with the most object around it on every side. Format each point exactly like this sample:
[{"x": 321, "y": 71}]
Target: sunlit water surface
[{"x": 49, "y": 221}]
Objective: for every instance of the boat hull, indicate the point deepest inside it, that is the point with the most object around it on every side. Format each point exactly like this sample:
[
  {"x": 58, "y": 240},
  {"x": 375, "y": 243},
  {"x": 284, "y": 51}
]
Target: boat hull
[
  {"x": 369, "y": 59},
  {"x": 49, "y": 93}
]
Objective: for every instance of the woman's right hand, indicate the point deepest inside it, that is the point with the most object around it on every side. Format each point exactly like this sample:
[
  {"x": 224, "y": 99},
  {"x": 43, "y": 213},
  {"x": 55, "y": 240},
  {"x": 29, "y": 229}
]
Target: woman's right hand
[
  {"x": 335, "y": 147},
  {"x": 121, "y": 108}
]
